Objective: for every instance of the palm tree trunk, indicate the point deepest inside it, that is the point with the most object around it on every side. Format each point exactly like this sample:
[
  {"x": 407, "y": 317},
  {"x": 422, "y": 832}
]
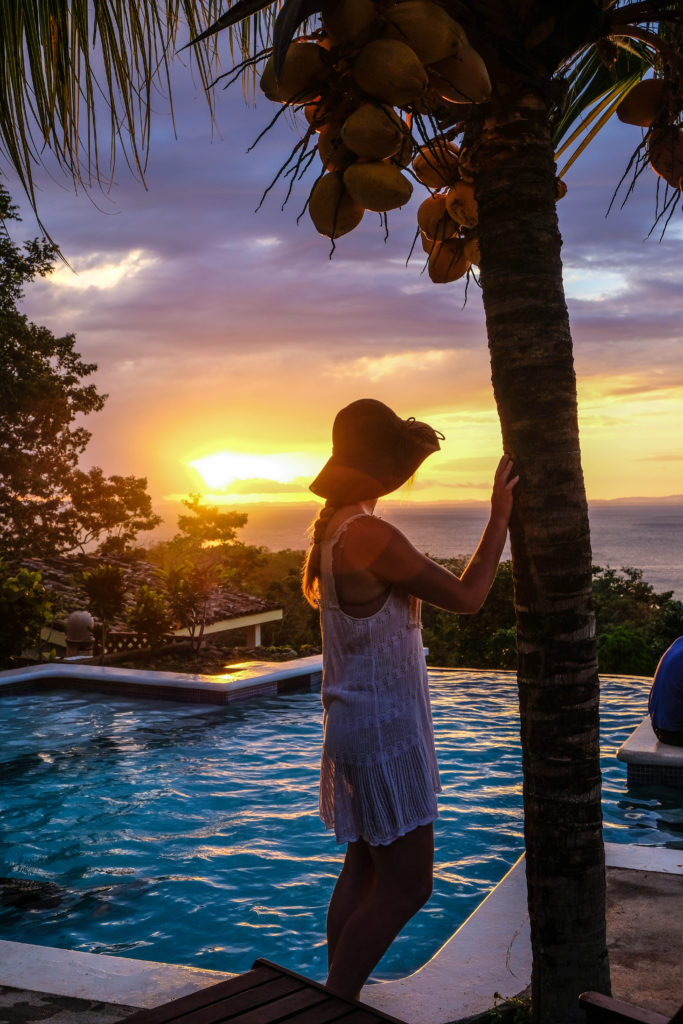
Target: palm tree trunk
[{"x": 535, "y": 390}]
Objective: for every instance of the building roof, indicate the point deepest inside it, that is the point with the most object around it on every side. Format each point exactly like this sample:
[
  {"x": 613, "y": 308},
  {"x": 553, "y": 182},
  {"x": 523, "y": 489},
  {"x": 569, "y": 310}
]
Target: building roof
[{"x": 60, "y": 577}]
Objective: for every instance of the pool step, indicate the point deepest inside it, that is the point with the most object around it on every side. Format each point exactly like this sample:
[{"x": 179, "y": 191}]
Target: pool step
[{"x": 267, "y": 994}]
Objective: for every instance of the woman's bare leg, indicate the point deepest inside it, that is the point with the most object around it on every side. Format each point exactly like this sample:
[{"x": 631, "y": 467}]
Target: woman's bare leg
[
  {"x": 403, "y": 883},
  {"x": 354, "y": 884}
]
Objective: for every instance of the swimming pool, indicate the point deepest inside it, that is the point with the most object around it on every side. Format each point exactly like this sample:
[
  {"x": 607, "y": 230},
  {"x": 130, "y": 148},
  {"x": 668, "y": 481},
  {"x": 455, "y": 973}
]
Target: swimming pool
[{"x": 189, "y": 834}]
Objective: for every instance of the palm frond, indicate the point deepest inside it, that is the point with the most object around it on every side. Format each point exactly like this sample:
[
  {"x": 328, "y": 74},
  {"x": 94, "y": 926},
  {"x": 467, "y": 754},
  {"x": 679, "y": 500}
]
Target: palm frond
[
  {"x": 239, "y": 12},
  {"x": 589, "y": 79},
  {"x": 594, "y": 91},
  {"x": 68, "y": 65}
]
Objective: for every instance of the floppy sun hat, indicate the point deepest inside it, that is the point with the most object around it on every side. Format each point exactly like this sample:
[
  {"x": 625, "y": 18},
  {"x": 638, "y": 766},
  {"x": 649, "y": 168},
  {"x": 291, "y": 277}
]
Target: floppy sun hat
[{"x": 374, "y": 452}]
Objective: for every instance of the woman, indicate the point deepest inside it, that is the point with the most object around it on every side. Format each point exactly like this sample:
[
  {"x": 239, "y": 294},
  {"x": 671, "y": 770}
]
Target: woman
[{"x": 379, "y": 776}]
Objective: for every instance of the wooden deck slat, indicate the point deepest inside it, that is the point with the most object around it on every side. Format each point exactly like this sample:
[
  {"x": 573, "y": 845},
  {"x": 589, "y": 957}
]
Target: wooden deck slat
[
  {"x": 254, "y": 978},
  {"x": 251, "y": 1000},
  {"x": 353, "y": 1004},
  {"x": 328, "y": 1012},
  {"x": 600, "y": 1009},
  {"x": 288, "y": 1007}
]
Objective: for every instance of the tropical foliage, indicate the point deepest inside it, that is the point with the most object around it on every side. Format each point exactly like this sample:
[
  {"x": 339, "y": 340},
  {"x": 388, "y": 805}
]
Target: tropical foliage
[
  {"x": 634, "y": 624},
  {"x": 151, "y": 615},
  {"x": 47, "y": 504},
  {"x": 105, "y": 586},
  {"x": 24, "y": 609}
]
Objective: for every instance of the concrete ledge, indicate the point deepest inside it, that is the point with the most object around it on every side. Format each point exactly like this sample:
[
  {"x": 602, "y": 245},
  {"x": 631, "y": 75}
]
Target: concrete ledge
[
  {"x": 660, "y": 859},
  {"x": 649, "y": 762},
  {"x": 643, "y": 747},
  {"x": 489, "y": 953},
  {"x": 108, "y": 979},
  {"x": 251, "y": 678}
]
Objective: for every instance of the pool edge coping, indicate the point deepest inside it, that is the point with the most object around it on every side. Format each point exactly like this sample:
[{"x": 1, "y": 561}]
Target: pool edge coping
[{"x": 244, "y": 679}]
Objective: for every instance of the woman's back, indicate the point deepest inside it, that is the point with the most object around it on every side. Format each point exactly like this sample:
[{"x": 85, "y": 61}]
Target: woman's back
[{"x": 379, "y": 774}]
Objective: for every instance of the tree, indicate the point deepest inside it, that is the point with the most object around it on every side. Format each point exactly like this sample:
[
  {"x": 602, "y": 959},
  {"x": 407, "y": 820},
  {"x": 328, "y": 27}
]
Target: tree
[
  {"x": 106, "y": 589},
  {"x": 41, "y": 394},
  {"x": 116, "y": 508},
  {"x": 47, "y": 504},
  {"x": 635, "y": 625},
  {"x": 207, "y": 524},
  {"x": 191, "y": 581},
  {"x": 549, "y": 64},
  {"x": 24, "y": 608},
  {"x": 201, "y": 557}
]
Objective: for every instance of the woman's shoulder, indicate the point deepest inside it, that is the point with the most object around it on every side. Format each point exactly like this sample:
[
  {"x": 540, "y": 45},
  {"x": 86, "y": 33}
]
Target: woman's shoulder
[{"x": 369, "y": 535}]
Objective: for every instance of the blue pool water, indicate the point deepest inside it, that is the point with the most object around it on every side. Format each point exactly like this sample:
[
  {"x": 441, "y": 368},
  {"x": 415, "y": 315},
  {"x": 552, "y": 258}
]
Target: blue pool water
[{"x": 189, "y": 834}]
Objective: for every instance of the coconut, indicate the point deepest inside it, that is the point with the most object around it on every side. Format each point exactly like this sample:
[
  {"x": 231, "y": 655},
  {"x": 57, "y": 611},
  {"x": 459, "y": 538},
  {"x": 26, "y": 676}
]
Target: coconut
[
  {"x": 317, "y": 113},
  {"x": 457, "y": 109},
  {"x": 665, "y": 150},
  {"x": 641, "y": 104},
  {"x": 436, "y": 164},
  {"x": 447, "y": 261},
  {"x": 302, "y": 73},
  {"x": 426, "y": 28},
  {"x": 461, "y": 204},
  {"x": 428, "y": 244},
  {"x": 347, "y": 20},
  {"x": 471, "y": 250},
  {"x": 331, "y": 208},
  {"x": 373, "y": 131},
  {"x": 389, "y": 70},
  {"x": 403, "y": 157},
  {"x": 433, "y": 219},
  {"x": 377, "y": 186},
  {"x": 560, "y": 188},
  {"x": 462, "y": 78},
  {"x": 335, "y": 156}
]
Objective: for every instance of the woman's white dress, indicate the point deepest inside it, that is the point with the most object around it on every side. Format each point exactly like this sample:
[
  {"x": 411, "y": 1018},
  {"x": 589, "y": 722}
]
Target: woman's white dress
[{"x": 379, "y": 776}]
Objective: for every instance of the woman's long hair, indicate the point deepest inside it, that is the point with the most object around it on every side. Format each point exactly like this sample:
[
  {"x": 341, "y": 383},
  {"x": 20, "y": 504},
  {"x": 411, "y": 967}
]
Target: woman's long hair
[{"x": 310, "y": 579}]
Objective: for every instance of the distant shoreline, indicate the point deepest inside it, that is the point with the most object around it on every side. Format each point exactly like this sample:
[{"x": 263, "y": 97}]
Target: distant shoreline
[{"x": 414, "y": 505}]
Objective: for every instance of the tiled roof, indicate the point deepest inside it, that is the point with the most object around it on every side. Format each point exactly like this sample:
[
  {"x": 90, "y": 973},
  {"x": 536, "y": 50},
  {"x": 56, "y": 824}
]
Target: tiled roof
[{"x": 60, "y": 577}]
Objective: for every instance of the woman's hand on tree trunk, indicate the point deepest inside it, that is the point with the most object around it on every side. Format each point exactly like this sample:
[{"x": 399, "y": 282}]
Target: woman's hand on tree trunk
[{"x": 503, "y": 485}]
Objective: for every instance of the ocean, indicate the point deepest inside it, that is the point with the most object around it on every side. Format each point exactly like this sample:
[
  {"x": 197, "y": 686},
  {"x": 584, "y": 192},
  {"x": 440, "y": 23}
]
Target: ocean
[{"x": 641, "y": 535}]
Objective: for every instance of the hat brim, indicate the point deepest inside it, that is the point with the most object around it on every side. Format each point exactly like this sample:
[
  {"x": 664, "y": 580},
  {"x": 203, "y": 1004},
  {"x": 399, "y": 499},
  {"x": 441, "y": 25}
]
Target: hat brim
[{"x": 337, "y": 482}]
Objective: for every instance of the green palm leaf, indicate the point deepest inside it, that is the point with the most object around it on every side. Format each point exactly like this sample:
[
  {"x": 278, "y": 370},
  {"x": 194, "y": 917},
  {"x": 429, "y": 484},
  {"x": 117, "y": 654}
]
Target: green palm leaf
[
  {"x": 594, "y": 91},
  {"x": 68, "y": 65}
]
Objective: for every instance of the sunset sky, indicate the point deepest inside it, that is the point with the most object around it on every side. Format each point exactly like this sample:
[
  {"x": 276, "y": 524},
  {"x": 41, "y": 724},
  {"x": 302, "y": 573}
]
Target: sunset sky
[{"x": 226, "y": 339}]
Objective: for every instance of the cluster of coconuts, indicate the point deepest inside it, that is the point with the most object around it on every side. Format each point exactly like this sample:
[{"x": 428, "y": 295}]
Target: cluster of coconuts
[
  {"x": 646, "y": 106},
  {"x": 359, "y": 79},
  {"x": 447, "y": 219}
]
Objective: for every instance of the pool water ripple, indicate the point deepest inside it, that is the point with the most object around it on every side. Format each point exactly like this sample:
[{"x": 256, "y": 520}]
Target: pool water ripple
[{"x": 190, "y": 834}]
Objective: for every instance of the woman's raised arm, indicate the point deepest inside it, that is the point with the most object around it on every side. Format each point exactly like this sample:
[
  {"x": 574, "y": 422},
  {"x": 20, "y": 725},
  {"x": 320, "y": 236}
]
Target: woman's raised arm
[{"x": 383, "y": 550}]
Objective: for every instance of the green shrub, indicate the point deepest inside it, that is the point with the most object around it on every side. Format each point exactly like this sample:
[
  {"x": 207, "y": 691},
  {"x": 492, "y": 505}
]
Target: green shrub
[
  {"x": 150, "y": 615},
  {"x": 24, "y": 608},
  {"x": 625, "y": 651}
]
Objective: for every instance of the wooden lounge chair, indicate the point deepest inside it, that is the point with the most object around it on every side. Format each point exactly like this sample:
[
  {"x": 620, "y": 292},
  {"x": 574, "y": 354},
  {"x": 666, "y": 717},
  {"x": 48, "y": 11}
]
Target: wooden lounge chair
[
  {"x": 267, "y": 994},
  {"x": 601, "y": 1009}
]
